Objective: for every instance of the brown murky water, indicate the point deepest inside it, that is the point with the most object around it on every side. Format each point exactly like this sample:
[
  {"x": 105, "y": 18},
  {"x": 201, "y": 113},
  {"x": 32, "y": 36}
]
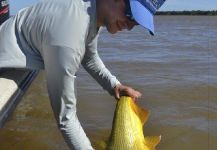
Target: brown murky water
[{"x": 176, "y": 71}]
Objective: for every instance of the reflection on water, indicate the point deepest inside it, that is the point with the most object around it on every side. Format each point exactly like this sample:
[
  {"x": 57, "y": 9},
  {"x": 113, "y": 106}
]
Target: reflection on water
[{"x": 175, "y": 70}]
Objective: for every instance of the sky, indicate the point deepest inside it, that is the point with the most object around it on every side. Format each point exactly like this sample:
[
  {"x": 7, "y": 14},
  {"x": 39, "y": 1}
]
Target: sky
[
  {"x": 169, "y": 5},
  {"x": 189, "y": 5}
]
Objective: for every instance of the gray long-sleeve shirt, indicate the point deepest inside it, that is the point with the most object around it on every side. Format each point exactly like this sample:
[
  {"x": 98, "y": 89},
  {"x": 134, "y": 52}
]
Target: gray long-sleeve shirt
[{"x": 58, "y": 36}]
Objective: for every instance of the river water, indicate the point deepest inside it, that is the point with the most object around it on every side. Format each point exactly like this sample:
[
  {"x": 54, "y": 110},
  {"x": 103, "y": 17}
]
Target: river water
[{"x": 176, "y": 71}]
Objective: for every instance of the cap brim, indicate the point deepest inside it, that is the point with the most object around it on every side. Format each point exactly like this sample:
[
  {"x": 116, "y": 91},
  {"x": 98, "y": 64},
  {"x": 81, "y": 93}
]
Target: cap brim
[{"x": 142, "y": 15}]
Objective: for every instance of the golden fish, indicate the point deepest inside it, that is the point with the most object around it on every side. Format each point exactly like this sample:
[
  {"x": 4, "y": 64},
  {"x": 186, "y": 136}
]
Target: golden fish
[{"x": 127, "y": 129}]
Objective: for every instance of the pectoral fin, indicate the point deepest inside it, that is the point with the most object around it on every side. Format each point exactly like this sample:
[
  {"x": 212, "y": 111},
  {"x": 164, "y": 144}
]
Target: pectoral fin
[
  {"x": 152, "y": 141},
  {"x": 141, "y": 113}
]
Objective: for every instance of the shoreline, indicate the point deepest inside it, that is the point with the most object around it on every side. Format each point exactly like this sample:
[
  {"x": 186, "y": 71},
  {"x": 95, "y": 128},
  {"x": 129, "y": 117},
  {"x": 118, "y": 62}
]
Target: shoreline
[{"x": 188, "y": 13}]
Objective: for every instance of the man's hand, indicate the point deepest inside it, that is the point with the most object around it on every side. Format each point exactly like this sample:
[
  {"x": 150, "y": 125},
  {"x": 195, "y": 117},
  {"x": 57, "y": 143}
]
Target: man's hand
[{"x": 122, "y": 90}]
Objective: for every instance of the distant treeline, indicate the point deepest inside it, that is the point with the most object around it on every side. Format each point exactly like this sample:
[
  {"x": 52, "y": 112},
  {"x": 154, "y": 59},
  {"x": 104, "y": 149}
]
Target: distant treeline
[{"x": 196, "y": 12}]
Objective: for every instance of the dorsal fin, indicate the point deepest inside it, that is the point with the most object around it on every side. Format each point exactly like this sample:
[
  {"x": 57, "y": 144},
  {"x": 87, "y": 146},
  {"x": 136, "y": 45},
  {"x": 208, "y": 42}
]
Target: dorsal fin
[
  {"x": 152, "y": 141},
  {"x": 141, "y": 113}
]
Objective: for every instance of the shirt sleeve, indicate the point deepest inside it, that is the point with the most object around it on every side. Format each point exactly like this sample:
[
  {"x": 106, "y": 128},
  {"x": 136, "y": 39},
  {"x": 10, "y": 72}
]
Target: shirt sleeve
[
  {"x": 61, "y": 64},
  {"x": 96, "y": 68}
]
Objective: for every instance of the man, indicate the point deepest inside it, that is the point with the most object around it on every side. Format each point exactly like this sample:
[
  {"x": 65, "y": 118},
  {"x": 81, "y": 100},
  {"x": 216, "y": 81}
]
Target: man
[{"x": 58, "y": 36}]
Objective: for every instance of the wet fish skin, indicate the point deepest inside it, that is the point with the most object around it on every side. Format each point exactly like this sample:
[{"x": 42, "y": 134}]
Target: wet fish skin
[{"x": 127, "y": 129}]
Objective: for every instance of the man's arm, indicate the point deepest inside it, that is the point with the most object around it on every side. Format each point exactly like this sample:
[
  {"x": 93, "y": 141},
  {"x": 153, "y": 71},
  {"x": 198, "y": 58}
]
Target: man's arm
[
  {"x": 94, "y": 66},
  {"x": 61, "y": 63}
]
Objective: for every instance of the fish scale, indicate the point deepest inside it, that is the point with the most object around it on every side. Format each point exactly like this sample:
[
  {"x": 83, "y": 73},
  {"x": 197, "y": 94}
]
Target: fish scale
[{"x": 127, "y": 128}]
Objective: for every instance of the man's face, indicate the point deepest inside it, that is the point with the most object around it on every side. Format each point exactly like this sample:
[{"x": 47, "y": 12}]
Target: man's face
[{"x": 114, "y": 17}]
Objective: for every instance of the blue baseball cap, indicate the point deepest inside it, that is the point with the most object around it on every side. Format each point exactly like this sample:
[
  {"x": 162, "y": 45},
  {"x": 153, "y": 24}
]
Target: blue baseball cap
[{"x": 142, "y": 11}]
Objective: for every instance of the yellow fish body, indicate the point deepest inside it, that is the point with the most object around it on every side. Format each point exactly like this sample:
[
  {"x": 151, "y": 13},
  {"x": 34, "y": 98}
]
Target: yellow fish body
[{"x": 127, "y": 129}]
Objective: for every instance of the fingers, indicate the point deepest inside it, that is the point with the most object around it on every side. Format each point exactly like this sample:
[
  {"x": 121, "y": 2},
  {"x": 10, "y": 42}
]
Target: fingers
[
  {"x": 138, "y": 94},
  {"x": 117, "y": 91},
  {"x": 117, "y": 94},
  {"x": 135, "y": 94},
  {"x": 122, "y": 90}
]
